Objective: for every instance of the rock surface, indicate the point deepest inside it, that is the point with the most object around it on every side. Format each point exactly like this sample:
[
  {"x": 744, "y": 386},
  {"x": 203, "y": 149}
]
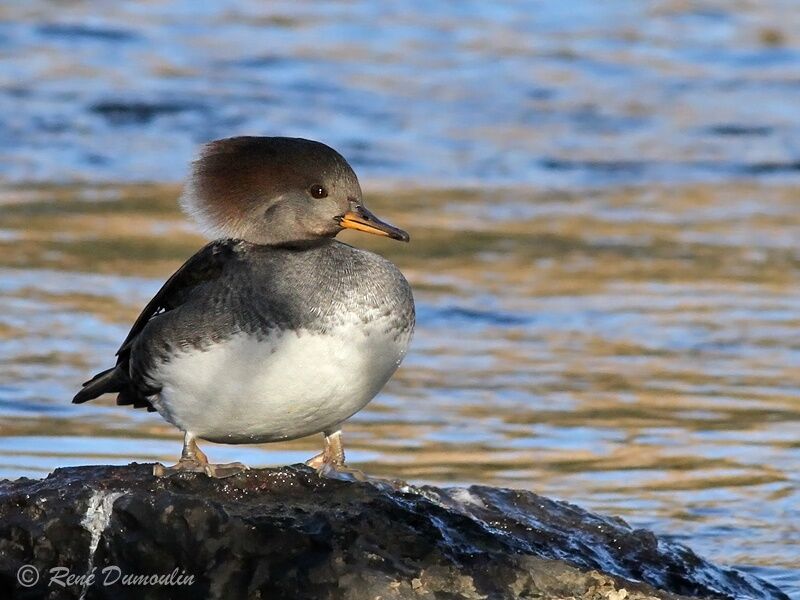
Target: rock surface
[{"x": 287, "y": 533}]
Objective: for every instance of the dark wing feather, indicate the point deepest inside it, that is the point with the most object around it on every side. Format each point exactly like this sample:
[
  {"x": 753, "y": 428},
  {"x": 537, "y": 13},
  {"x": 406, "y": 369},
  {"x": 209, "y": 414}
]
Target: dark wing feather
[{"x": 206, "y": 265}]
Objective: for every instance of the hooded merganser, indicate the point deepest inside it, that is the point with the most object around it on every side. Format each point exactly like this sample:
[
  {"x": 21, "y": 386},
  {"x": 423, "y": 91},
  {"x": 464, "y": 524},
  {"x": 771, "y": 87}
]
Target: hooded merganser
[{"x": 275, "y": 330}]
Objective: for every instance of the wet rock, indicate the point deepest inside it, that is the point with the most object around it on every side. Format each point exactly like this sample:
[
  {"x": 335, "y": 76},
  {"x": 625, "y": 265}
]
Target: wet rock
[{"x": 118, "y": 532}]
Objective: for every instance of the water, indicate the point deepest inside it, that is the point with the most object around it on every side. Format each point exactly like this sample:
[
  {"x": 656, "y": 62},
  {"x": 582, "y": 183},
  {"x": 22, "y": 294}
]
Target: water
[
  {"x": 540, "y": 92},
  {"x": 604, "y": 217}
]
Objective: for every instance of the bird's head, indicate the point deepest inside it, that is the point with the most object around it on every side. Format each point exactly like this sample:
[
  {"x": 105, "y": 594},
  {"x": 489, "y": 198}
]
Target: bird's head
[{"x": 277, "y": 190}]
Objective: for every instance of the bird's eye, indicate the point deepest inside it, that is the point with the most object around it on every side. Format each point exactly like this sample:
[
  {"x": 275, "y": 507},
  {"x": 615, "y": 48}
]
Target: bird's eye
[{"x": 317, "y": 191}]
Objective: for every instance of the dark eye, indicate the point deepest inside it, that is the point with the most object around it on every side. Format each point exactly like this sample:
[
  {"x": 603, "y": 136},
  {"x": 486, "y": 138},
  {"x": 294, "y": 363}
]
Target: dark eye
[{"x": 317, "y": 191}]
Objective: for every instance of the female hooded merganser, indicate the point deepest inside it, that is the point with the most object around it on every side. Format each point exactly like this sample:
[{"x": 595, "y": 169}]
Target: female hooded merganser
[{"x": 275, "y": 330}]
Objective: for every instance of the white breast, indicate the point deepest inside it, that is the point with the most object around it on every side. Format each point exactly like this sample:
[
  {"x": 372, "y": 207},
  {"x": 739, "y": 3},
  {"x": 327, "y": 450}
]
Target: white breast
[{"x": 289, "y": 385}]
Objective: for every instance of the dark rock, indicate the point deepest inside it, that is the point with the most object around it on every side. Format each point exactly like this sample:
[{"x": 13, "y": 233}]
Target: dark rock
[{"x": 287, "y": 533}]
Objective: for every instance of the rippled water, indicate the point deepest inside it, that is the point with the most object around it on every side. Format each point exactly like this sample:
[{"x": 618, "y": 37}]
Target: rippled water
[
  {"x": 605, "y": 219},
  {"x": 545, "y": 91}
]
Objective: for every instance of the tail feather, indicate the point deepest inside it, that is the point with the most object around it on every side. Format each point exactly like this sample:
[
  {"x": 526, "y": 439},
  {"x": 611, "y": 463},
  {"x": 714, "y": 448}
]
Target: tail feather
[
  {"x": 109, "y": 381},
  {"x": 129, "y": 397}
]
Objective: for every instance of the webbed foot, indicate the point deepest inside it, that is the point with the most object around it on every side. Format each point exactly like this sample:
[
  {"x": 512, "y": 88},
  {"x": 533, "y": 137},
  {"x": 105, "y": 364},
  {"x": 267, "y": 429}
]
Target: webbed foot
[
  {"x": 194, "y": 460},
  {"x": 330, "y": 462},
  {"x": 225, "y": 470}
]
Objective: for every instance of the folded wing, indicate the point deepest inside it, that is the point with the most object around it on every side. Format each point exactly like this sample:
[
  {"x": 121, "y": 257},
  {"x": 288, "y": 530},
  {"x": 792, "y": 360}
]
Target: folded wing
[{"x": 207, "y": 265}]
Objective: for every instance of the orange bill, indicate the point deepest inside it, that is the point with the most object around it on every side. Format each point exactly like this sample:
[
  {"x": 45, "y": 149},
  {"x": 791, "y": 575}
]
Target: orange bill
[{"x": 361, "y": 219}]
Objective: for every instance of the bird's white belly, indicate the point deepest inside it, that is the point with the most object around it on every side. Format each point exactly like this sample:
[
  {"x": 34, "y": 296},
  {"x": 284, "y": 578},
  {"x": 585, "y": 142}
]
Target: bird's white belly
[{"x": 281, "y": 387}]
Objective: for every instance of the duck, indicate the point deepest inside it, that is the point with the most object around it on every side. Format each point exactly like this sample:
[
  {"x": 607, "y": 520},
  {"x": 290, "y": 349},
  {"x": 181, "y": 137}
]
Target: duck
[{"x": 274, "y": 330}]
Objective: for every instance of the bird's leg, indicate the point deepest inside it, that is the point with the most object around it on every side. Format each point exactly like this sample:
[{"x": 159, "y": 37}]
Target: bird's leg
[
  {"x": 330, "y": 462},
  {"x": 194, "y": 460},
  {"x": 332, "y": 453}
]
